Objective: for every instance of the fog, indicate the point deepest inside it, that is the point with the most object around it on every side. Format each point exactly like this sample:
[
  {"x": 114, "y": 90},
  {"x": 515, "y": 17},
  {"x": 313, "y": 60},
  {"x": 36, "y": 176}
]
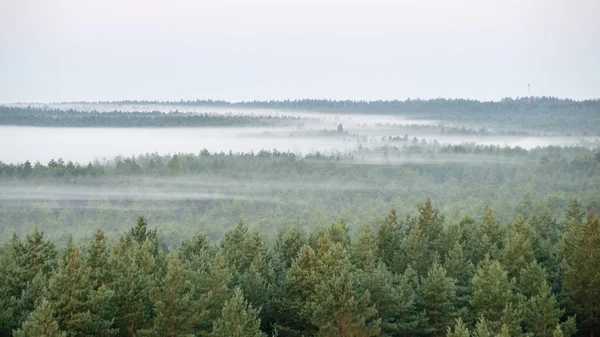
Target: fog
[{"x": 312, "y": 132}]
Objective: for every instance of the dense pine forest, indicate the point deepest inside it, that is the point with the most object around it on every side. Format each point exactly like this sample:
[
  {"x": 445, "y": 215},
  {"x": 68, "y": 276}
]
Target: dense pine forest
[{"x": 407, "y": 275}]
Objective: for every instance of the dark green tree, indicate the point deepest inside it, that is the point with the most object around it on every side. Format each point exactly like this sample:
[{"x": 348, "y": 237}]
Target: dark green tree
[
  {"x": 439, "y": 295},
  {"x": 41, "y": 323},
  {"x": 582, "y": 276},
  {"x": 176, "y": 312}
]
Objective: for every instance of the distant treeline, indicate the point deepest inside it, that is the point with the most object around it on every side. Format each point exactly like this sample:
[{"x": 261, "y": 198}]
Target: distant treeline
[
  {"x": 30, "y": 116},
  {"x": 408, "y": 105},
  {"x": 543, "y": 114}
]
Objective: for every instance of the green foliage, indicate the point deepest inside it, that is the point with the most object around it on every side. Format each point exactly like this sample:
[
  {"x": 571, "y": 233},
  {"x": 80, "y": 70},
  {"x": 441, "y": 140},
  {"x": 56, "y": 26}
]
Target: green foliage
[
  {"x": 41, "y": 323},
  {"x": 518, "y": 247},
  {"x": 335, "y": 286},
  {"x": 439, "y": 295},
  {"x": 460, "y": 330},
  {"x": 176, "y": 312},
  {"x": 239, "y": 319},
  {"x": 582, "y": 276},
  {"x": 492, "y": 292},
  {"x": 542, "y": 312}
]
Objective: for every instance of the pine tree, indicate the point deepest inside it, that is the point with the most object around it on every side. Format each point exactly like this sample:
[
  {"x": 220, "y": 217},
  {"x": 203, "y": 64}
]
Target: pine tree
[
  {"x": 518, "y": 249},
  {"x": 337, "y": 308},
  {"x": 439, "y": 295},
  {"x": 34, "y": 255},
  {"x": 288, "y": 246},
  {"x": 385, "y": 293},
  {"x": 431, "y": 221},
  {"x": 364, "y": 251},
  {"x": 460, "y": 330},
  {"x": 297, "y": 287},
  {"x": 574, "y": 213},
  {"x": 239, "y": 319},
  {"x": 389, "y": 240},
  {"x": 557, "y": 332},
  {"x": 491, "y": 227},
  {"x": 198, "y": 245},
  {"x": 416, "y": 249},
  {"x": 71, "y": 294},
  {"x": 31, "y": 297},
  {"x": 542, "y": 312},
  {"x": 482, "y": 328},
  {"x": 135, "y": 271},
  {"x": 461, "y": 270},
  {"x": 176, "y": 314},
  {"x": 338, "y": 233},
  {"x": 582, "y": 277},
  {"x": 412, "y": 320},
  {"x": 532, "y": 278},
  {"x": 97, "y": 260},
  {"x": 492, "y": 292},
  {"x": 211, "y": 288},
  {"x": 41, "y": 323}
]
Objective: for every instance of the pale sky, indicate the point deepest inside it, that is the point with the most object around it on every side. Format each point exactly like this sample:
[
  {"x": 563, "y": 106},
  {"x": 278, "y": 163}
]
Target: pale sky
[{"x": 65, "y": 50}]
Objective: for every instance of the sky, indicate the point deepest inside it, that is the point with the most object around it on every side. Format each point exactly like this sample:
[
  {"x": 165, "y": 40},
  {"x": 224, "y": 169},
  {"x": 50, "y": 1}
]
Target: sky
[{"x": 91, "y": 50}]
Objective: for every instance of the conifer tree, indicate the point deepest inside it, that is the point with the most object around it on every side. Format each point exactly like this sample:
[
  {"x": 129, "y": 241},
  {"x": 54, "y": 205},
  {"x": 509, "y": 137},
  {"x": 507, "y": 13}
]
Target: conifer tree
[
  {"x": 41, "y": 323},
  {"x": 336, "y": 306},
  {"x": 533, "y": 276},
  {"x": 198, "y": 245},
  {"x": 482, "y": 328},
  {"x": 542, "y": 312},
  {"x": 492, "y": 292},
  {"x": 297, "y": 288},
  {"x": 416, "y": 249},
  {"x": 431, "y": 221},
  {"x": 135, "y": 271},
  {"x": 412, "y": 320},
  {"x": 557, "y": 332},
  {"x": 491, "y": 227},
  {"x": 288, "y": 246},
  {"x": 461, "y": 270},
  {"x": 176, "y": 314},
  {"x": 460, "y": 330},
  {"x": 439, "y": 295},
  {"x": 34, "y": 255},
  {"x": 338, "y": 233},
  {"x": 239, "y": 319},
  {"x": 211, "y": 288},
  {"x": 582, "y": 277},
  {"x": 389, "y": 240},
  {"x": 518, "y": 249},
  {"x": 364, "y": 251},
  {"x": 97, "y": 260},
  {"x": 31, "y": 297},
  {"x": 71, "y": 294},
  {"x": 575, "y": 212},
  {"x": 385, "y": 293}
]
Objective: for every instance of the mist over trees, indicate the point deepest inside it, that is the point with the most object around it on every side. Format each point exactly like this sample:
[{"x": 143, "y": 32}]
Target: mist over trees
[{"x": 429, "y": 223}]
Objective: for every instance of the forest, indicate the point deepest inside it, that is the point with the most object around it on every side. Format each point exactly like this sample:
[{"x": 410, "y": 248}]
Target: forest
[
  {"x": 547, "y": 114},
  {"x": 411, "y": 275},
  {"x": 274, "y": 190},
  {"x": 423, "y": 218}
]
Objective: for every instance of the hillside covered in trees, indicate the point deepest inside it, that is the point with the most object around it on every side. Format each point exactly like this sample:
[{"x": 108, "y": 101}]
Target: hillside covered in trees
[{"x": 406, "y": 275}]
